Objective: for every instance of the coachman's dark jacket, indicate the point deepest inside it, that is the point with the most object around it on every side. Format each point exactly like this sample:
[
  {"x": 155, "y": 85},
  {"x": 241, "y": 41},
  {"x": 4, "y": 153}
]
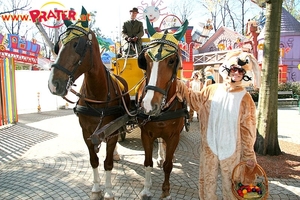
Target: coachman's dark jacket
[{"x": 133, "y": 29}]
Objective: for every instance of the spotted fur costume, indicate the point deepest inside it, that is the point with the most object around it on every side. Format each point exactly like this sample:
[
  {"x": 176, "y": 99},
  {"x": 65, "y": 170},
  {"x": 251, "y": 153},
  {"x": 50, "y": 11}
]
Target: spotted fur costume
[{"x": 228, "y": 133}]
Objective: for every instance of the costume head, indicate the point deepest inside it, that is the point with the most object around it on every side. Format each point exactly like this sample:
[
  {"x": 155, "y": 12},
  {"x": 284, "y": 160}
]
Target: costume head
[
  {"x": 208, "y": 71},
  {"x": 197, "y": 73},
  {"x": 241, "y": 60}
]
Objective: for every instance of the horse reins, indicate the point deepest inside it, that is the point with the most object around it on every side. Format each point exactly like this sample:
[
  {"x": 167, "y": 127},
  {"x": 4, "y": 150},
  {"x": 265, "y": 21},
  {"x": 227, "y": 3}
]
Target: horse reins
[{"x": 82, "y": 52}]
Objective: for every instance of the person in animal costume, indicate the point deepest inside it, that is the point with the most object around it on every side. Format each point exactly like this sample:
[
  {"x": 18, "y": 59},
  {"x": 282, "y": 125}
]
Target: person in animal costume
[
  {"x": 196, "y": 85},
  {"x": 227, "y": 126},
  {"x": 209, "y": 78}
]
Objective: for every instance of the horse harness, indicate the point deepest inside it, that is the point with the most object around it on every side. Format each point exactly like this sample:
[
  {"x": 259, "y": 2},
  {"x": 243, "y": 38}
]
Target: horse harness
[
  {"x": 74, "y": 31},
  {"x": 156, "y": 51},
  {"x": 99, "y": 134}
]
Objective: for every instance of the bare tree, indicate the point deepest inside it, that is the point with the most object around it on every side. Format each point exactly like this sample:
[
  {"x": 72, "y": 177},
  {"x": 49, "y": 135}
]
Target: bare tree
[
  {"x": 292, "y": 6},
  {"x": 239, "y": 18},
  {"x": 20, "y": 6},
  {"x": 267, "y": 124},
  {"x": 229, "y": 13},
  {"x": 14, "y": 7},
  {"x": 213, "y": 8},
  {"x": 183, "y": 9}
]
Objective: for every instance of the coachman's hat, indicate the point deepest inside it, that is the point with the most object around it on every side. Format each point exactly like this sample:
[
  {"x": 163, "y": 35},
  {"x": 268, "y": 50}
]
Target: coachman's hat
[{"x": 134, "y": 10}]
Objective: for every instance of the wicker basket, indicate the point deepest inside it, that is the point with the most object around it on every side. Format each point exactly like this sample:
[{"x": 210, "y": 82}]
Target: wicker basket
[{"x": 262, "y": 182}]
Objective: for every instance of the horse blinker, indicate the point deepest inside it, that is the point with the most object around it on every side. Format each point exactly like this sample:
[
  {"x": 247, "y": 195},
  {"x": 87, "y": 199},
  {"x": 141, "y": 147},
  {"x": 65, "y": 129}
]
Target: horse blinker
[
  {"x": 79, "y": 49},
  {"x": 81, "y": 45},
  {"x": 142, "y": 63}
]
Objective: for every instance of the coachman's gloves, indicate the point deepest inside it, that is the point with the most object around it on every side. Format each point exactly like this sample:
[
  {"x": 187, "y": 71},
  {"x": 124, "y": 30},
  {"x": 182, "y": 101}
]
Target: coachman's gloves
[{"x": 131, "y": 39}]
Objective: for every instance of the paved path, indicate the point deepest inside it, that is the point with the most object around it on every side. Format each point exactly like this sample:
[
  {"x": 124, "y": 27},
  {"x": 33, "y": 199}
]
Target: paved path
[{"x": 44, "y": 157}]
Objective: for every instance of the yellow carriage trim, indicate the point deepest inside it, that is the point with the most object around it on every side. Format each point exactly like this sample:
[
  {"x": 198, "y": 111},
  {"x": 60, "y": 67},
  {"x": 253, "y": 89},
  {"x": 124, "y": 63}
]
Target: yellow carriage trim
[{"x": 131, "y": 72}]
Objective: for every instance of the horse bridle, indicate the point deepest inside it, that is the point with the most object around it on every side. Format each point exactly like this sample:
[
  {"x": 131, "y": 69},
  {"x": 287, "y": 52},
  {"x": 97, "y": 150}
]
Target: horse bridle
[
  {"x": 80, "y": 50},
  {"x": 165, "y": 107},
  {"x": 158, "y": 57}
]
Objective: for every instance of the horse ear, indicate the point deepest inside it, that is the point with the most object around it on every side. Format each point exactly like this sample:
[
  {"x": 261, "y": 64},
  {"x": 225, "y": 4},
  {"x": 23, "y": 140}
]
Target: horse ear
[
  {"x": 181, "y": 31},
  {"x": 84, "y": 16},
  {"x": 67, "y": 22},
  {"x": 150, "y": 28}
]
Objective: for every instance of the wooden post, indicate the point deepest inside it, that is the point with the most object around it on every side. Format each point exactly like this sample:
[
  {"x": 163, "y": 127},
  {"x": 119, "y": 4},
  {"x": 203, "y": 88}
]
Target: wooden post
[{"x": 39, "y": 106}]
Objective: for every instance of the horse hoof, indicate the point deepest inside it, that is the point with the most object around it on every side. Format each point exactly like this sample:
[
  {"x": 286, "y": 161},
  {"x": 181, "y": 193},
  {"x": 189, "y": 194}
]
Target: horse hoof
[
  {"x": 96, "y": 196},
  {"x": 116, "y": 157},
  {"x": 174, "y": 159},
  {"x": 166, "y": 198},
  {"x": 160, "y": 163},
  {"x": 111, "y": 198},
  {"x": 145, "y": 197}
]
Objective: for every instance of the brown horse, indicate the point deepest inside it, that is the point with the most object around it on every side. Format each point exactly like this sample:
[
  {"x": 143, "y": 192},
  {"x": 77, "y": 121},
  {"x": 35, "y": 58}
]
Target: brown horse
[
  {"x": 103, "y": 96},
  {"x": 162, "y": 114}
]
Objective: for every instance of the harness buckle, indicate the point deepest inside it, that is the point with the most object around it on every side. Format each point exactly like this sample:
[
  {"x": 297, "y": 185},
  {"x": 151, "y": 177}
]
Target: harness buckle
[
  {"x": 69, "y": 83},
  {"x": 163, "y": 103},
  {"x": 144, "y": 122}
]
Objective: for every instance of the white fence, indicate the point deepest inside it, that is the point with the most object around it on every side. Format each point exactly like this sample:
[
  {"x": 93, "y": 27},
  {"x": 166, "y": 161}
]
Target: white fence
[{"x": 30, "y": 85}]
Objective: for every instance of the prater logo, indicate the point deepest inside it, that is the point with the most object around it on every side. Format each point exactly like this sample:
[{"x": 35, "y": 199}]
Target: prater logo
[
  {"x": 50, "y": 10},
  {"x": 51, "y": 15}
]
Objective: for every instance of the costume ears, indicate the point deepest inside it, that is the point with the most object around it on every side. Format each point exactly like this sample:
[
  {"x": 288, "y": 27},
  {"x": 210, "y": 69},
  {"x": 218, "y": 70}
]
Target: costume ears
[{"x": 255, "y": 71}]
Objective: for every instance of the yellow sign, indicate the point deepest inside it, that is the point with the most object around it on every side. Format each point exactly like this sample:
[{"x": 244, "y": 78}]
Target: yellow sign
[
  {"x": 299, "y": 66},
  {"x": 261, "y": 46},
  {"x": 221, "y": 46}
]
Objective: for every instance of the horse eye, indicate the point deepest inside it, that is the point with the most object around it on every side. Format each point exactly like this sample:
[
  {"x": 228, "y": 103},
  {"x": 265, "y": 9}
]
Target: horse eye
[
  {"x": 75, "y": 44},
  {"x": 171, "y": 61}
]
